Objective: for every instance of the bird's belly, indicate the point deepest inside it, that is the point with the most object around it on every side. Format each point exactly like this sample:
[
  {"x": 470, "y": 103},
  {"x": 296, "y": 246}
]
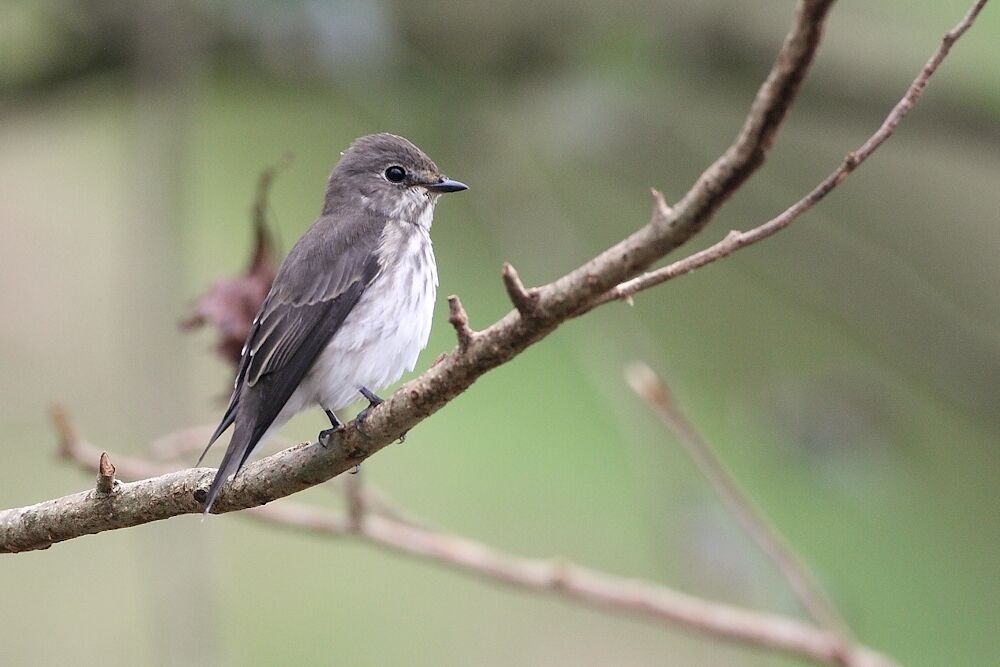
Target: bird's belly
[{"x": 381, "y": 337}]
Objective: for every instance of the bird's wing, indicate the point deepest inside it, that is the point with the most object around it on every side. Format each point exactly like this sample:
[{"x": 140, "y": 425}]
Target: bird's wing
[{"x": 318, "y": 285}]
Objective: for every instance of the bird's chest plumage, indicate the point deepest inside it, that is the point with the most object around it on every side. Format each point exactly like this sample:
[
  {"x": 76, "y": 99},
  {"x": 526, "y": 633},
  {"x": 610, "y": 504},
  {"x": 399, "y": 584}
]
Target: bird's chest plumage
[{"x": 384, "y": 333}]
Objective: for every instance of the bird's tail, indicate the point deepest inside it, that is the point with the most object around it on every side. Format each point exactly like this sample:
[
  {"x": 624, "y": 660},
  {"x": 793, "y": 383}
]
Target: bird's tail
[
  {"x": 227, "y": 421},
  {"x": 246, "y": 435}
]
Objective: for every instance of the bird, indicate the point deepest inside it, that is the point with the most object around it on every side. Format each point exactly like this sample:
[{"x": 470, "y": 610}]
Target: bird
[{"x": 351, "y": 306}]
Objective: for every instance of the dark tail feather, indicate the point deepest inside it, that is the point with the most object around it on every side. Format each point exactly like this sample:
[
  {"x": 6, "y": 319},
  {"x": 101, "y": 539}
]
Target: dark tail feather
[
  {"x": 227, "y": 421},
  {"x": 245, "y": 438}
]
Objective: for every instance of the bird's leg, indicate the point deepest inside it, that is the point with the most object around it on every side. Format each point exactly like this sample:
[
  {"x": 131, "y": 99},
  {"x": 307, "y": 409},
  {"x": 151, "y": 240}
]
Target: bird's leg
[
  {"x": 373, "y": 401},
  {"x": 335, "y": 425}
]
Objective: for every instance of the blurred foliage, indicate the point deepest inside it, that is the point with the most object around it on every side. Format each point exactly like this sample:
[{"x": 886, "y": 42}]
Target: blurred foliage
[{"x": 847, "y": 370}]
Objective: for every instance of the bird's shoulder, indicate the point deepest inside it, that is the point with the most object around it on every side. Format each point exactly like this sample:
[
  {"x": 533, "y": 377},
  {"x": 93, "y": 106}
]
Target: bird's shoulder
[
  {"x": 317, "y": 285},
  {"x": 337, "y": 250}
]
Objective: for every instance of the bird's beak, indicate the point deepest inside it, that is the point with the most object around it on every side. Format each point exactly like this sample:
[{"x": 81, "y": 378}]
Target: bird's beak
[{"x": 446, "y": 185}]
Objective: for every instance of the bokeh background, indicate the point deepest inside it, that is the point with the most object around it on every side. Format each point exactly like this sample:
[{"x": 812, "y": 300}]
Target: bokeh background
[{"x": 848, "y": 370}]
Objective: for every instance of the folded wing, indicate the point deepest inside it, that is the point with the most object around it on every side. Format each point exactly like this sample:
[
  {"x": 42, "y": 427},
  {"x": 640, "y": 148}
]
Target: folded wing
[{"x": 316, "y": 288}]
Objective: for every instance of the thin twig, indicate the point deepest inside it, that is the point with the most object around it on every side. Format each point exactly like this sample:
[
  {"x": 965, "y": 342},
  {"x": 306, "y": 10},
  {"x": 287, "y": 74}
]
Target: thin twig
[
  {"x": 258, "y": 212},
  {"x": 376, "y": 502},
  {"x": 354, "y": 497},
  {"x": 736, "y": 239},
  {"x": 180, "y": 445},
  {"x": 65, "y": 431},
  {"x": 657, "y": 396},
  {"x": 105, "y": 474},
  {"x": 459, "y": 319},
  {"x": 524, "y": 300}
]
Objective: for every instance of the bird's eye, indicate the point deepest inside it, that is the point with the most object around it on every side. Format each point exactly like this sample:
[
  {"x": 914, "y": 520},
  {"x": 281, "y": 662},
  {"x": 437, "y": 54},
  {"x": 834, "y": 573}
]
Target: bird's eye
[{"x": 395, "y": 174}]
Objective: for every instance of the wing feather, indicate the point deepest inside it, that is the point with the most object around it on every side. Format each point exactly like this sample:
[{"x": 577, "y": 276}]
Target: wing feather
[{"x": 318, "y": 285}]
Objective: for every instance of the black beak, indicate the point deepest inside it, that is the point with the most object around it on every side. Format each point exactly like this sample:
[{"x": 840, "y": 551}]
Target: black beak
[{"x": 446, "y": 185}]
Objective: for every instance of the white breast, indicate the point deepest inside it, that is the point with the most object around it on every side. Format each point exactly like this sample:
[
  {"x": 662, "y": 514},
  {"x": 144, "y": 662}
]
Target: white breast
[{"x": 385, "y": 332}]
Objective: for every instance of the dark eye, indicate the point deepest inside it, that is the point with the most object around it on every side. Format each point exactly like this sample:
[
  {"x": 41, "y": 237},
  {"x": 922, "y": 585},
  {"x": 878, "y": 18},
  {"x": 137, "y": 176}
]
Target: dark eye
[{"x": 395, "y": 174}]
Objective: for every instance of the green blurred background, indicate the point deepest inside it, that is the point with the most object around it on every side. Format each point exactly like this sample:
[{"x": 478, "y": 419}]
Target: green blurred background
[{"x": 848, "y": 370}]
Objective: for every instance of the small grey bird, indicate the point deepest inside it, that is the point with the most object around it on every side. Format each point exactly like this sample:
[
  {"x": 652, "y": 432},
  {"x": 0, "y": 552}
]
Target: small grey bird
[{"x": 350, "y": 308}]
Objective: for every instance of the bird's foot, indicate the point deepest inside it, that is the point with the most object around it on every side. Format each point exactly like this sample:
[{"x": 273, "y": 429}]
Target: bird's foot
[
  {"x": 373, "y": 401},
  {"x": 360, "y": 420},
  {"x": 370, "y": 396},
  {"x": 335, "y": 426}
]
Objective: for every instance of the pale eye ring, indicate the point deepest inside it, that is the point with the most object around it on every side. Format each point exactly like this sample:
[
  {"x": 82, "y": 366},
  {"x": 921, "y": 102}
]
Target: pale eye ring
[{"x": 395, "y": 174}]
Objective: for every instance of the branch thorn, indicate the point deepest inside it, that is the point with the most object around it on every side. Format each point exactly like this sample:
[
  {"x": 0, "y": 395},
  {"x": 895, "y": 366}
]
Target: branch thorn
[
  {"x": 105, "y": 475},
  {"x": 661, "y": 209}
]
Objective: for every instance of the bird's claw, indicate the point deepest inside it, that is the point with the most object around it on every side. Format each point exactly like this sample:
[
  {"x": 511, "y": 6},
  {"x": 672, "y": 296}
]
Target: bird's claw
[
  {"x": 324, "y": 436},
  {"x": 359, "y": 421},
  {"x": 373, "y": 402}
]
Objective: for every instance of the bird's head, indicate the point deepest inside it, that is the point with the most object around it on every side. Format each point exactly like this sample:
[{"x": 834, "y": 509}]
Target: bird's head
[{"x": 389, "y": 174}]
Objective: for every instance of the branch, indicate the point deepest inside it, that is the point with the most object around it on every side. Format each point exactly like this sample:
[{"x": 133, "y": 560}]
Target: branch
[
  {"x": 736, "y": 240},
  {"x": 657, "y": 603},
  {"x": 258, "y": 212},
  {"x": 183, "y": 444},
  {"x": 660, "y": 604},
  {"x": 41, "y": 525},
  {"x": 525, "y": 301},
  {"x": 459, "y": 319},
  {"x": 105, "y": 475},
  {"x": 657, "y": 396}
]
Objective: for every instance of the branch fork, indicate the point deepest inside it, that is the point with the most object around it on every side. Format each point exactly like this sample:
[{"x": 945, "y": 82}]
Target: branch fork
[{"x": 661, "y": 210}]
